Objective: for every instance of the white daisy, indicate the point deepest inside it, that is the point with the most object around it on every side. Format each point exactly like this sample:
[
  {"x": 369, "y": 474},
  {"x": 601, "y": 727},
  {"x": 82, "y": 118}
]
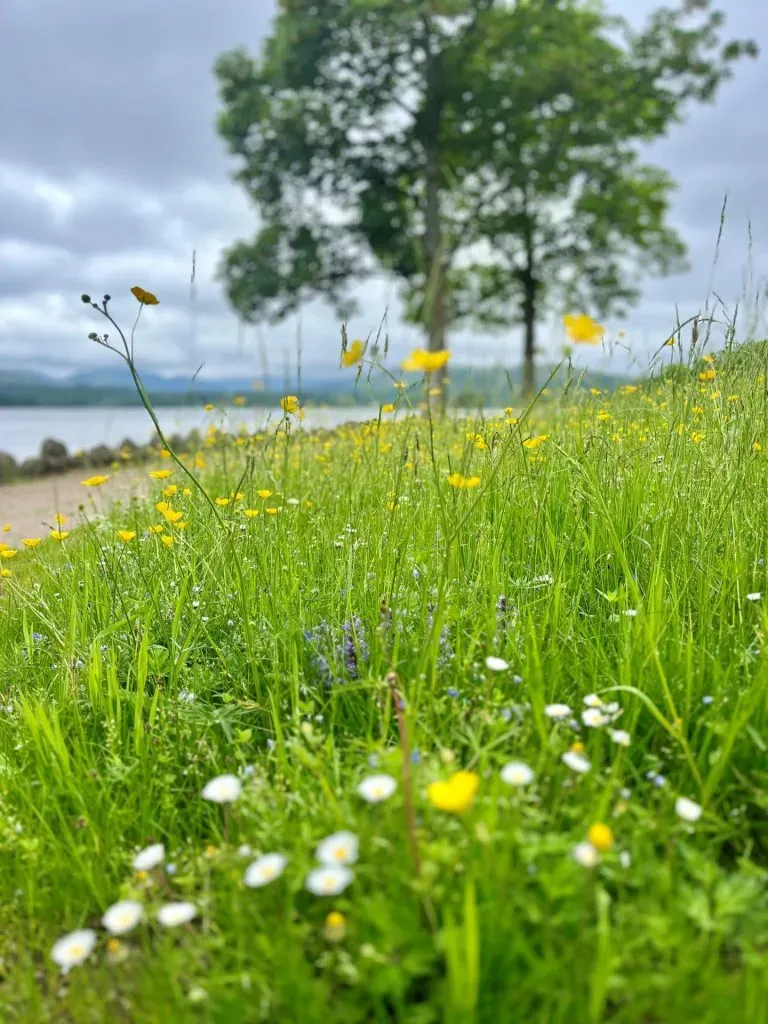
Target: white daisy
[
  {"x": 150, "y": 857},
  {"x": 593, "y": 701},
  {"x": 122, "y": 916},
  {"x": 576, "y": 762},
  {"x": 73, "y": 949},
  {"x": 265, "y": 870},
  {"x": 496, "y": 664},
  {"x": 620, "y": 736},
  {"x": 329, "y": 880},
  {"x": 593, "y": 717},
  {"x": 223, "y": 789},
  {"x": 754, "y": 597},
  {"x": 339, "y": 848},
  {"x": 517, "y": 773},
  {"x": 376, "y": 788},
  {"x": 585, "y": 854},
  {"x": 557, "y": 711},
  {"x": 687, "y": 809},
  {"x": 171, "y": 915}
]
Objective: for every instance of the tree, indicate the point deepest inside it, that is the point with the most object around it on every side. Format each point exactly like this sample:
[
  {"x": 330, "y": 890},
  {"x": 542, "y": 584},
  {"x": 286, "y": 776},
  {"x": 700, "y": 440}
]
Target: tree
[{"x": 484, "y": 152}]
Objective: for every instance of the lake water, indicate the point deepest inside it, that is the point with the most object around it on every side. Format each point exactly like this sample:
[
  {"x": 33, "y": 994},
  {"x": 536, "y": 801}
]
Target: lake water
[{"x": 23, "y": 429}]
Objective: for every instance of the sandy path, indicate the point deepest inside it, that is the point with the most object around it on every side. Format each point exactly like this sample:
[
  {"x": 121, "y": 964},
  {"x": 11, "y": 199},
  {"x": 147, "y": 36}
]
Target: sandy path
[{"x": 30, "y": 505}]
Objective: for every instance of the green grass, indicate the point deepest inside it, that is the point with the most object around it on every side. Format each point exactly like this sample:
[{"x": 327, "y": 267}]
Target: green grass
[{"x": 652, "y": 501}]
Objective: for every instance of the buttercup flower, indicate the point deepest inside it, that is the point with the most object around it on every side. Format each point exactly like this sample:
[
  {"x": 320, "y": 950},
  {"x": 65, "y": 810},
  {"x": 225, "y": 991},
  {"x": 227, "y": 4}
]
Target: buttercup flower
[
  {"x": 145, "y": 298},
  {"x": 122, "y": 916},
  {"x": 376, "y": 788},
  {"x": 517, "y": 773},
  {"x": 600, "y": 836},
  {"x": 335, "y": 927},
  {"x": 58, "y": 534},
  {"x": 150, "y": 857},
  {"x": 583, "y": 330},
  {"x": 126, "y": 535},
  {"x": 328, "y": 880},
  {"x": 456, "y": 794},
  {"x": 73, "y": 949},
  {"x": 223, "y": 789},
  {"x": 338, "y": 848},
  {"x": 94, "y": 481},
  {"x": 160, "y": 474},
  {"x": 426, "y": 362},
  {"x": 265, "y": 870},
  {"x": 463, "y": 483},
  {"x": 687, "y": 809},
  {"x": 171, "y": 915},
  {"x": 354, "y": 353},
  {"x": 30, "y": 542}
]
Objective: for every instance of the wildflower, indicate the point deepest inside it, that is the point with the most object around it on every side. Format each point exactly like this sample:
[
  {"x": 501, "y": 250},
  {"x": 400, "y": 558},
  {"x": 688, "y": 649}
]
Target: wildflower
[
  {"x": 7, "y": 528},
  {"x": 224, "y": 789},
  {"x": 456, "y": 794},
  {"x": 289, "y": 403},
  {"x": 264, "y": 493},
  {"x": 338, "y": 848},
  {"x": 171, "y": 915},
  {"x": 534, "y": 442},
  {"x": 167, "y": 541},
  {"x": 576, "y": 761},
  {"x": 126, "y": 535},
  {"x": 557, "y": 711},
  {"x": 145, "y": 298},
  {"x": 463, "y": 483},
  {"x": 239, "y": 401},
  {"x": 750, "y": 597},
  {"x": 593, "y": 701},
  {"x": 388, "y": 407},
  {"x": 600, "y": 836},
  {"x": 94, "y": 481},
  {"x": 329, "y": 880},
  {"x": 583, "y": 330},
  {"x": 354, "y": 353},
  {"x": 335, "y": 927},
  {"x": 59, "y": 534},
  {"x": 426, "y": 362},
  {"x": 517, "y": 773},
  {"x": 150, "y": 857},
  {"x": 251, "y": 513},
  {"x": 620, "y": 736},
  {"x": 707, "y": 375},
  {"x": 687, "y": 809},
  {"x": 59, "y": 519},
  {"x": 222, "y": 502},
  {"x": 265, "y": 870},
  {"x": 208, "y": 407},
  {"x": 376, "y": 788},
  {"x": 272, "y": 511},
  {"x": 160, "y": 474},
  {"x": 586, "y": 855},
  {"x": 593, "y": 718},
  {"x": 73, "y": 949},
  {"x": 8, "y": 552},
  {"x": 169, "y": 514},
  {"x": 122, "y": 916},
  {"x": 5, "y": 573},
  {"x": 30, "y": 542},
  {"x": 496, "y": 664},
  {"x": 157, "y": 528}
]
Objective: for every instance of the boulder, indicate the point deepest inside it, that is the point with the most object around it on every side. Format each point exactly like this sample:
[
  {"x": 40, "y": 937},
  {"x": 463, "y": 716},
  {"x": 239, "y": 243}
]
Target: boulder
[
  {"x": 54, "y": 456},
  {"x": 32, "y": 467},
  {"x": 101, "y": 456}
]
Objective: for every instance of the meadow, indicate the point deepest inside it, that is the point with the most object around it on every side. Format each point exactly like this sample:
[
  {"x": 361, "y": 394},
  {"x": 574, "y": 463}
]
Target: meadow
[{"x": 418, "y": 720}]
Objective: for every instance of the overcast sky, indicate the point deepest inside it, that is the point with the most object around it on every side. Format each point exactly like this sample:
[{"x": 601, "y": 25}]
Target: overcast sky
[{"x": 111, "y": 173}]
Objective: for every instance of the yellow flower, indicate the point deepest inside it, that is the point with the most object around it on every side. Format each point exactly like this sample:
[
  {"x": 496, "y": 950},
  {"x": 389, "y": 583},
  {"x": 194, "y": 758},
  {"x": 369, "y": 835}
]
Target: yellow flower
[
  {"x": 168, "y": 513},
  {"x": 222, "y": 502},
  {"x": 335, "y": 927},
  {"x": 208, "y": 406},
  {"x": 426, "y": 362},
  {"x": 158, "y": 528},
  {"x": 290, "y": 403},
  {"x": 600, "y": 836},
  {"x": 187, "y": 491},
  {"x": 145, "y": 298},
  {"x": 59, "y": 534},
  {"x": 8, "y": 553},
  {"x": 389, "y": 407},
  {"x": 400, "y": 385},
  {"x": 272, "y": 511},
  {"x": 756, "y": 447},
  {"x": 167, "y": 541},
  {"x": 669, "y": 343},
  {"x": 463, "y": 483},
  {"x": 264, "y": 494},
  {"x": 94, "y": 481},
  {"x": 534, "y": 442},
  {"x": 456, "y": 794},
  {"x": 170, "y": 490},
  {"x": 30, "y": 542},
  {"x": 251, "y": 512},
  {"x": 708, "y": 359},
  {"x": 5, "y": 573},
  {"x": 126, "y": 535},
  {"x": 238, "y": 400},
  {"x": 165, "y": 454},
  {"x": 707, "y": 375},
  {"x": 160, "y": 474},
  {"x": 577, "y": 747},
  {"x": 354, "y": 353},
  {"x": 583, "y": 330},
  {"x": 59, "y": 519},
  {"x": 7, "y": 528}
]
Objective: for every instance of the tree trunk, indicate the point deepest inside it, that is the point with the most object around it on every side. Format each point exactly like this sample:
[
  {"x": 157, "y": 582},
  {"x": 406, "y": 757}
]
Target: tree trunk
[{"x": 529, "y": 325}]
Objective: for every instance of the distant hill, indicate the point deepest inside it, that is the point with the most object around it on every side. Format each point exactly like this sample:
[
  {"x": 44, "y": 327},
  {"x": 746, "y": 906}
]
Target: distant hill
[{"x": 469, "y": 386}]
